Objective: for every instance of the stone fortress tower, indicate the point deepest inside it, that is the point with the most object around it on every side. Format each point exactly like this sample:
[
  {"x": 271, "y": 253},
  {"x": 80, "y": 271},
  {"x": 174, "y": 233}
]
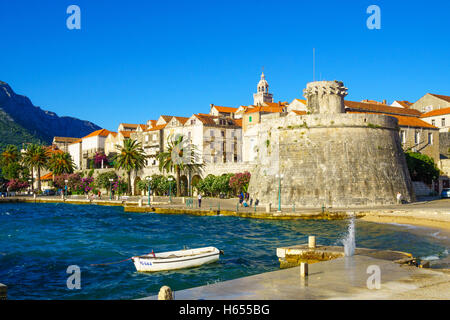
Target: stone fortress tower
[{"x": 328, "y": 157}]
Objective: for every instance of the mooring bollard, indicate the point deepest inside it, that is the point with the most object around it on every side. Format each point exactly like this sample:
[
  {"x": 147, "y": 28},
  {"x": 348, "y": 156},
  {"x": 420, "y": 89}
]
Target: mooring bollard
[
  {"x": 165, "y": 293},
  {"x": 3, "y": 292},
  {"x": 312, "y": 242},
  {"x": 303, "y": 269}
]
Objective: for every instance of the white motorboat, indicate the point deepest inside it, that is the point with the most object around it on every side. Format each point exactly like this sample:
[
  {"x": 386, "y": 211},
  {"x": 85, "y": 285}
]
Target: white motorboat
[{"x": 173, "y": 260}]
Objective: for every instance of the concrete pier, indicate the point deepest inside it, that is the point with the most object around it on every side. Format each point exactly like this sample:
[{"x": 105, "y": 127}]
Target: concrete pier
[
  {"x": 295, "y": 255},
  {"x": 341, "y": 278}
]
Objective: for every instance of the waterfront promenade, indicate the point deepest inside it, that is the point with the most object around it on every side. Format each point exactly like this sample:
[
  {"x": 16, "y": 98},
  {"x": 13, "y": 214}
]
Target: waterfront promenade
[{"x": 433, "y": 213}]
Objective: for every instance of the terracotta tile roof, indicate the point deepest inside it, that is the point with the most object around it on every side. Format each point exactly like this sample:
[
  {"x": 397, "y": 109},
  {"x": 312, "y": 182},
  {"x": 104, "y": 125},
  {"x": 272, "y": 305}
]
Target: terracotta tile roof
[
  {"x": 269, "y": 109},
  {"x": 373, "y": 101},
  {"x": 156, "y": 128},
  {"x": 205, "y": 118},
  {"x": 225, "y": 109},
  {"x": 64, "y": 139},
  {"x": 208, "y": 115},
  {"x": 143, "y": 127},
  {"x": 438, "y": 112},
  {"x": 75, "y": 142},
  {"x": 299, "y": 112},
  {"x": 48, "y": 176},
  {"x": 114, "y": 134},
  {"x": 130, "y": 125},
  {"x": 301, "y": 100},
  {"x": 275, "y": 104},
  {"x": 238, "y": 122},
  {"x": 446, "y": 98},
  {"x": 404, "y": 103},
  {"x": 380, "y": 108},
  {"x": 125, "y": 134},
  {"x": 166, "y": 118},
  {"x": 101, "y": 132},
  {"x": 404, "y": 121},
  {"x": 153, "y": 122},
  {"x": 53, "y": 149},
  {"x": 182, "y": 120}
]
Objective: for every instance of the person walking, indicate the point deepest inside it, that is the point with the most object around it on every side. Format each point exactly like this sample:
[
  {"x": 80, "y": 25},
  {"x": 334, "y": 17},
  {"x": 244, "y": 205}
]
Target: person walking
[
  {"x": 199, "y": 200},
  {"x": 399, "y": 198}
]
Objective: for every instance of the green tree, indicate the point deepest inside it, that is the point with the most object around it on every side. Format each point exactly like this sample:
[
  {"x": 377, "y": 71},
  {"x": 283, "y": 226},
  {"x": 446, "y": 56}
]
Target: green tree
[
  {"x": 39, "y": 160},
  {"x": 102, "y": 180},
  {"x": 130, "y": 157},
  {"x": 421, "y": 167},
  {"x": 60, "y": 163},
  {"x": 10, "y": 155},
  {"x": 27, "y": 160},
  {"x": 10, "y": 163},
  {"x": 180, "y": 156},
  {"x": 221, "y": 184},
  {"x": 205, "y": 186}
]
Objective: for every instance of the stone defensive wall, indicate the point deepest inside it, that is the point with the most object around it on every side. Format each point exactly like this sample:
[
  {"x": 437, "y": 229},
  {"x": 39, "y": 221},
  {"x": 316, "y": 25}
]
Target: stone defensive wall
[{"x": 330, "y": 159}]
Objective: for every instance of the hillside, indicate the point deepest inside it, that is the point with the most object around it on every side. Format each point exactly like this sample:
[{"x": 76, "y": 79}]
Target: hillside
[
  {"x": 12, "y": 133},
  {"x": 22, "y": 122}
]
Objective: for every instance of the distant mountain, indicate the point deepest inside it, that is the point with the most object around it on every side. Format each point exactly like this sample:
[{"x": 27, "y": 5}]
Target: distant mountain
[{"x": 22, "y": 122}]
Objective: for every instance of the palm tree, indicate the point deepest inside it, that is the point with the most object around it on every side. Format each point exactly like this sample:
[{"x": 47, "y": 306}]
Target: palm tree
[
  {"x": 39, "y": 159},
  {"x": 180, "y": 156},
  {"x": 60, "y": 163},
  {"x": 130, "y": 157},
  {"x": 27, "y": 160},
  {"x": 10, "y": 155}
]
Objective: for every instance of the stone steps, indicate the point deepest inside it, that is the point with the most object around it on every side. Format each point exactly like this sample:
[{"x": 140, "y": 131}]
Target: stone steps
[{"x": 421, "y": 189}]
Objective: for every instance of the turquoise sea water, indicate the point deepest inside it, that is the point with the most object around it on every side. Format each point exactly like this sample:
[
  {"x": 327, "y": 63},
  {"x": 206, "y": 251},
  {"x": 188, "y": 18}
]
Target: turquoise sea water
[{"x": 39, "y": 241}]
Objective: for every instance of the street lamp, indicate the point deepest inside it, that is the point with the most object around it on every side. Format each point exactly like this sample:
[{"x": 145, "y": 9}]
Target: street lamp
[
  {"x": 149, "y": 179},
  {"x": 170, "y": 189},
  {"x": 279, "y": 177},
  {"x": 110, "y": 188},
  {"x": 65, "y": 187}
]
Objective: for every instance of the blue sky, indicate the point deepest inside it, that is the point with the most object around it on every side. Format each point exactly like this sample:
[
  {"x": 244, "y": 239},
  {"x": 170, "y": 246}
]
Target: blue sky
[{"x": 134, "y": 60}]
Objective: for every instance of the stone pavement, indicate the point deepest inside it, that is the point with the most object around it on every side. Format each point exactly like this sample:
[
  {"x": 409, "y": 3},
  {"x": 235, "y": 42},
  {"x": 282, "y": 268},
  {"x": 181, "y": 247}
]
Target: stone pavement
[{"x": 342, "y": 278}]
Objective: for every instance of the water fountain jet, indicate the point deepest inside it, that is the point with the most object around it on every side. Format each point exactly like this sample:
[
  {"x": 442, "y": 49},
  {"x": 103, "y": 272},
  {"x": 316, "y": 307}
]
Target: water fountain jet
[{"x": 349, "y": 241}]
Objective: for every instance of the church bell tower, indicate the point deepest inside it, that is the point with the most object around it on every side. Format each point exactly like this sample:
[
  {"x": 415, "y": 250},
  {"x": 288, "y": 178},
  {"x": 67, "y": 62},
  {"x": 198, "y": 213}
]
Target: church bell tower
[{"x": 262, "y": 95}]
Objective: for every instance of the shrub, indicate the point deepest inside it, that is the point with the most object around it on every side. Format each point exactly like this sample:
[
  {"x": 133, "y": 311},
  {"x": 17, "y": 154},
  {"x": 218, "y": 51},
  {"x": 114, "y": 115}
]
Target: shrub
[
  {"x": 421, "y": 167},
  {"x": 102, "y": 180},
  {"x": 240, "y": 181},
  {"x": 17, "y": 185}
]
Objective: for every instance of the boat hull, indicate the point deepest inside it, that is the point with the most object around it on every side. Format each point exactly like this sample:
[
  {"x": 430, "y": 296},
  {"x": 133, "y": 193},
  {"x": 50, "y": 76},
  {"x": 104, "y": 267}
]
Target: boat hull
[{"x": 153, "y": 264}]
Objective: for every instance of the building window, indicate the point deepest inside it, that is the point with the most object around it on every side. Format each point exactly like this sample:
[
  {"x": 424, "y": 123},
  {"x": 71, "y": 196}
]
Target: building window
[
  {"x": 223, "y": 133},
  {"x": 443, "y": 122},
  {"x": 250, "y": 119},
  {"x": 430, "y": 138},
  {"x": 433, "y": 122},
  {"x": 146, "y": 138},
  {"x": 417, "y": 137},
  {"x": 403, "y": 136}
]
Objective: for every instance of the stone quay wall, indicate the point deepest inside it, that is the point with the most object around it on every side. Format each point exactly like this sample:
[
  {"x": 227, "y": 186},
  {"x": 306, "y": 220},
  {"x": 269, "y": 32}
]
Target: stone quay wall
[{"x": 332, "y": 160}]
